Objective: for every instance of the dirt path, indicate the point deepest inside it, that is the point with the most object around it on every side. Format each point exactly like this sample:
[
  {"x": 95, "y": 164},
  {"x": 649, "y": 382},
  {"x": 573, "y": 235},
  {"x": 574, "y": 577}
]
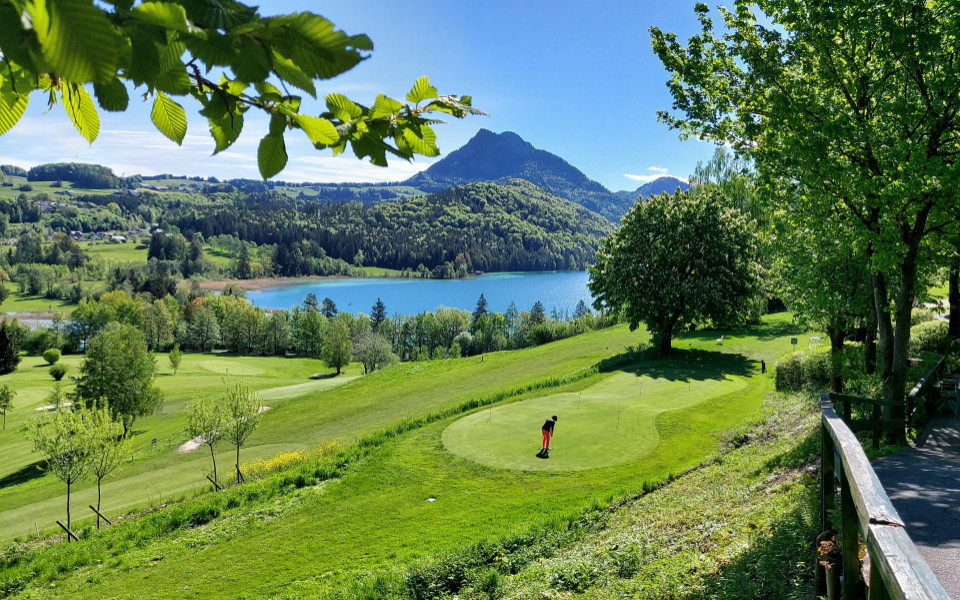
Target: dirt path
[{"x": 924, "y": 485}]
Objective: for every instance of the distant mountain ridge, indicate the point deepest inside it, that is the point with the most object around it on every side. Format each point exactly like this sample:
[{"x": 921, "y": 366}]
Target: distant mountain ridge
[
  {"x": 656, "y": 187},
  {"x": 497, "y": 158}
]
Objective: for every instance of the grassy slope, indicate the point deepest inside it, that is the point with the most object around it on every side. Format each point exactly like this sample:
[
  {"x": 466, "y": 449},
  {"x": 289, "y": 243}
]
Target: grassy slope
[
  {"x": 377, "y": 517},
  {"x": 358, "y": 408},
  {"x": 28, "y": 496},
  {"x": 756, "y": 514}
]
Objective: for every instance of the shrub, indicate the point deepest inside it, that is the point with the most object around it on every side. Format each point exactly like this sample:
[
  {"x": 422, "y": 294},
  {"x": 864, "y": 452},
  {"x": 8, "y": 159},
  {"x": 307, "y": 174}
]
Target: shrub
[
  {"x": 58, "y": 371},
  {"x": 806, "y": 369},
  {"x": 921, "y": 315},
  {"x": 930, "y": 336},
  {"x": 51, "y": 355}
]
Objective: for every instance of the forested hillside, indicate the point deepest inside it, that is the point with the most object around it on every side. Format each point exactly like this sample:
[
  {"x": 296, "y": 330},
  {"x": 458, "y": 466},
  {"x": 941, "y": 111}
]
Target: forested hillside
[{"x": 477, "y": 227}]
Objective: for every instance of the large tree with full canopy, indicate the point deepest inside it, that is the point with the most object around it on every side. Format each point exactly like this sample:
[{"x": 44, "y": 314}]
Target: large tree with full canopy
[
  {"x": 678, "y": 259},
  {"x": 857, "y": 103},
  {"x": 224, "y": 54}
]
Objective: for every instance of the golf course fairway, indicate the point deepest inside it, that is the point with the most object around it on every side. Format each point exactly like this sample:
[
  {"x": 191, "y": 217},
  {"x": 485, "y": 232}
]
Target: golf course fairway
[{"x": 609, "y": 423}]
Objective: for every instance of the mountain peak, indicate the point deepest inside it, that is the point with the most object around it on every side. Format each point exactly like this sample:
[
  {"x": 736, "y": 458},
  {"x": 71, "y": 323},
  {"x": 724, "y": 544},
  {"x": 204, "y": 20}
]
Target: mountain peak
[{"x": 497, "y": 157}]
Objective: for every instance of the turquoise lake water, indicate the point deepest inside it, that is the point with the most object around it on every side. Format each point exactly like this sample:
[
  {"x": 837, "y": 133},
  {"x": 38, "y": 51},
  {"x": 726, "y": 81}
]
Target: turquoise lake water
[{"x": 560, "y": 290}]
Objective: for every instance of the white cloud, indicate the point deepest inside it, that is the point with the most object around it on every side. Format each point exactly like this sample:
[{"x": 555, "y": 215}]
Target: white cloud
[
  {"x": 143, "y": 150},
  {"x": 653, "y": 174}
]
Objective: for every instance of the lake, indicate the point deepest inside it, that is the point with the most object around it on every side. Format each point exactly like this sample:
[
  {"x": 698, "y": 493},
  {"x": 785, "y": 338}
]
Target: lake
[{"x": 560, "y": 290}]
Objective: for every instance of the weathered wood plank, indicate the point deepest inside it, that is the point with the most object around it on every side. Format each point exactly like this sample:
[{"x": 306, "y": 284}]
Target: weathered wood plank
[
  {"x": 897, "y": 570},
  {"x": 868, "y": 495},
  {"x": 901, "y": 566},
  {"x": 933, "y": 373}
]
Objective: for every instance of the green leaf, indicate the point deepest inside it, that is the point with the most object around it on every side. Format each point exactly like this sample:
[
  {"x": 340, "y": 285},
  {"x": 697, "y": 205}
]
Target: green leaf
[
  {"x": 385, "y": 107},
  {"x": 252, "y": 64},
  {"x": 421, "y": 90},
  {"x": 77, "y": 39},
  {"x": 163, "y": 14},
  {"x": 83, "y": 113},
  {"x": 112, "y": 95},
  {"x": 320, "y": 131},
  {"x": 12, "y": 105},
  {"x": 173, "y": 77},
  {"x": 293, "y": 75},
  {"x": 145, "y": 58},
  {"x": 16, "y": 43},
  {"x": 214, "y": 50},
  {"x": 169, "y": 118},
  {"x": 225, "y": 130},
  {"x": 225, "y": 117},
  {"x": 342, "y": 107},
  {"x": 313, "y": 45},
  {"x": 425, "y": 143},
  {"x": 278, "y": 124},
  {"x": 271, "y": 155}
]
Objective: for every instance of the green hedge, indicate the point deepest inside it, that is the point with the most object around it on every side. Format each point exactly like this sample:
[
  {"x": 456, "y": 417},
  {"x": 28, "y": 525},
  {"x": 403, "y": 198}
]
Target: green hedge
[
  {"x": 805, "y": 369},
  {"x": 929, "y": 336}
]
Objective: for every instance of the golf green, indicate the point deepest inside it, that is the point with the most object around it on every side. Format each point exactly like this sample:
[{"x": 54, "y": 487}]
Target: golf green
[{"x": 610, "y": 423}]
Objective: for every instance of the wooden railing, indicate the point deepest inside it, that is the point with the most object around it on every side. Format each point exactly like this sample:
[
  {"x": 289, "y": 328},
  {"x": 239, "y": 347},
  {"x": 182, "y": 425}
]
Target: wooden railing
[
  {"x": 897, "y": 570},
  {"x": 920, "y": 391}
]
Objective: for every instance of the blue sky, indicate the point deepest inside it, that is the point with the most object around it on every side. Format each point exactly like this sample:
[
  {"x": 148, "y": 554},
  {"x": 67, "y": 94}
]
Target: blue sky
[{"x": 577, "y": 79}]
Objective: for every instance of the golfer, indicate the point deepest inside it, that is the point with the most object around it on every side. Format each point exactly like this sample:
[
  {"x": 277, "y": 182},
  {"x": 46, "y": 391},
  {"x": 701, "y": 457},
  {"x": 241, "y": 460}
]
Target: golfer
[{"x": 547, "y": 431}]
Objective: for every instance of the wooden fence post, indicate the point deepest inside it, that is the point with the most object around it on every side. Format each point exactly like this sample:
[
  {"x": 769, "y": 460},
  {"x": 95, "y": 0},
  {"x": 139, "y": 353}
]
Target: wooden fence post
[
  {"x": 878, "y": 590},
  {"x": 850, "y": 542},
  {"x": 827, "y": 468}
]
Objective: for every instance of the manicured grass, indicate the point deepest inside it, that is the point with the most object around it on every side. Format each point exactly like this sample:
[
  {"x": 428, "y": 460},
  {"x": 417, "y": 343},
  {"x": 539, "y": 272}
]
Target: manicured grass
[
  {"x": 157, "y": 471},
  {"x": 610, "y": 422},
  {"x": 378, "y": 516},
  {"x": 740, "y": 527},
  {"x": 357, "y": 408}
]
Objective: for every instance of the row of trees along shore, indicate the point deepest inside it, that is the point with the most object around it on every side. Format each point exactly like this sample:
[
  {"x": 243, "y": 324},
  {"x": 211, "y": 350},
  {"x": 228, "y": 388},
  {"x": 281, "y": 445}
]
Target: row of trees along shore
[{"x": 203, "y": 323}]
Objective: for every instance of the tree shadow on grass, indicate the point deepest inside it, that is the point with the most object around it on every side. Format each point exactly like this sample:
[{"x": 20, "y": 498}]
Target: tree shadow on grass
[
  {"x": 681, "y": 365},
  {"x": 23, "y": 475},
  {"x": 763, "y": 332}
]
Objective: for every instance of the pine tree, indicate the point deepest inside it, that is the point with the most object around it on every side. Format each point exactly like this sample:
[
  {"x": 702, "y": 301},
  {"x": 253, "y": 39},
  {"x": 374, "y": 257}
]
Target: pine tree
[
  {"x": 329, "y": 308},
  {"x": 378, "y": 315},
  {"x": 480, "y": 310},
  {"x": 243, "y": 264},
  {"x": 537, "y": 314},
  {"x": 9, "y": 349}
]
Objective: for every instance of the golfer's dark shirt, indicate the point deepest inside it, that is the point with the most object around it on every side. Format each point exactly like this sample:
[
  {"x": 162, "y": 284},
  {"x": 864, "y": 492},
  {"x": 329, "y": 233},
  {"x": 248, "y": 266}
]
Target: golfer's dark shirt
[{"x": 548, "y": 426}]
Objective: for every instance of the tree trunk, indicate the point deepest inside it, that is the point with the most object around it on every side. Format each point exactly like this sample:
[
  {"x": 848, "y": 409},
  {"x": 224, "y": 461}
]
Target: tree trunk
[
  {"x": 895, "y": 374},
  {"x": 665, "y": 337},
  {"x": 837, "y": 336},
  {"x": 870, "y": 342},
  {"x": 68, "y": 510},
  {"x": 213, "y": 455},
  {"x": 881, "y": 301},
  {"x": 238, "y": 464},
  {"x": 954, "y": 298},
  {"x": 665, "y": 341},
  {"x": 99, "y": 479}
]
